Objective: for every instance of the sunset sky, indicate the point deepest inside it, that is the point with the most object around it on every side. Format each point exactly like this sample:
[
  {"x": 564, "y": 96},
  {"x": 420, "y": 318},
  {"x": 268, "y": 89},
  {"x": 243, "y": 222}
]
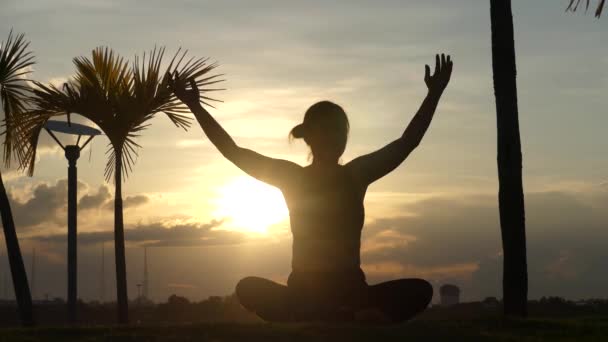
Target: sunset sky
[{"x": 207, "y": 224}]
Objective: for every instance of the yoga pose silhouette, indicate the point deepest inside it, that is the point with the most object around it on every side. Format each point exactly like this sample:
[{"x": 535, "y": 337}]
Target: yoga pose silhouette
[{"x": 325, "y": 202}]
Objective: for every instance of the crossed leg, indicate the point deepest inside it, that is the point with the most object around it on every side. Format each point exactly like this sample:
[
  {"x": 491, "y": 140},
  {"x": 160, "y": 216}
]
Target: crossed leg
[
  {"x": 399, "y": 300},
  {"x": 267, "y": 299}
]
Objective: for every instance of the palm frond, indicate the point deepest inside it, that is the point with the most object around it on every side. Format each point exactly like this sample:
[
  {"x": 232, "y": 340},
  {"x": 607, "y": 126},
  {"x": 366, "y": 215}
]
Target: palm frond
[
  {"x": 194, "y": 68},
  {"x": 121, "y": 99},
  {"x": 574, "y": 4},
  {"x": 102, "y": 87},
  {"x": 15, "y": 62},
  {"x": 29, "y": 132},
  {"x": 149, "y": 93},
  {"x": 99, "y": 81},
  {"x": 47, "y": 101}
]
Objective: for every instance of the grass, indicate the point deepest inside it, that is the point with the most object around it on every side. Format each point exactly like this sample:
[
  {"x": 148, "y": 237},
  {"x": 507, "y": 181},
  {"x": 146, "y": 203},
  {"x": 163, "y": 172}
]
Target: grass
[{"x": 495, "y": 329}]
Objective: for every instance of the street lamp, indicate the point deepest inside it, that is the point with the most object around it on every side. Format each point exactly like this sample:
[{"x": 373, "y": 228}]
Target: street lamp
[{"x": 72, "y": 153}]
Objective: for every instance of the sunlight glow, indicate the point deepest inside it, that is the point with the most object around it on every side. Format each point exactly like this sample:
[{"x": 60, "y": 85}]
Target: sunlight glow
[{"x": 250, "y": 205}]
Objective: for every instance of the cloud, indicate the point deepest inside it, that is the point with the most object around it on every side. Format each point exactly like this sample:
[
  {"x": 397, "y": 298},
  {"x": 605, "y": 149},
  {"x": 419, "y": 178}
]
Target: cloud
[
  {"x": 181, "y": 286},
  {"x": 46, "y": 203},
  {"x": 191, "y": 143},
  {"x": 444, "y": 239},
  {"x": 387, "y": 239},
  {"x": 160, "y": 234},
  {"x": 10, "y": 174},
  {"x": 396, "y": 269},
  {"x": 96, "y": 200},
  {"x": 128, "y": 202},
  {"x": 457, "y": 239},
  {"x": 103, "y": 199},
  {"x": 135, "y": 201}
]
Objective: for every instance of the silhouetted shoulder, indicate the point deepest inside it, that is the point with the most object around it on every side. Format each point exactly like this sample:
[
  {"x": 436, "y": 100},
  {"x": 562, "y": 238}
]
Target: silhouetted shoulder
[
  {"x": 370, "y": 167},
  {"x": 276, "y": 172}
]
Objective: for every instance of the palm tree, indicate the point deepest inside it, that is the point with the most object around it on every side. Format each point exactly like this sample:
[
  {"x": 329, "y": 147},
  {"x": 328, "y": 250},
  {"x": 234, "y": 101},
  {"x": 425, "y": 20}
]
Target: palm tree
[
  {"x": 15, "y": 60},
  {"x": 510, "y": 193},
  {"x": 121, "y": 100},
  {"x": 511, "y": 197},
  {"x": 573, "y": 6}
]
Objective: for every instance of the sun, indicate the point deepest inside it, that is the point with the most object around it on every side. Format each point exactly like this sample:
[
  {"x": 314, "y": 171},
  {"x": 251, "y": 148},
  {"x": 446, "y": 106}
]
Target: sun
[{"x": 250, "y": 205}]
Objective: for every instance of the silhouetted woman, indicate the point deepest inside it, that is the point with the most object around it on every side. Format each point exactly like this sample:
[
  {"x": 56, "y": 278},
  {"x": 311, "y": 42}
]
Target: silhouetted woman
[{"x": 325, "y": 201}]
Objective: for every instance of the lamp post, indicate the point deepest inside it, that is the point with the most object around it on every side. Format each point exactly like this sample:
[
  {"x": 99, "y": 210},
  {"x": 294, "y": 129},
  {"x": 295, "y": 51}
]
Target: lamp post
[{"x": 72, "y": 153}]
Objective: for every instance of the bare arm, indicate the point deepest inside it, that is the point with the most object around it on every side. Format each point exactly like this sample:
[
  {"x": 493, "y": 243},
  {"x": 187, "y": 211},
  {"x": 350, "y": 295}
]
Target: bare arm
[
  {"x": 270, "y": 170},
  {"x": 373, "y": 166},
  {"x": 215, "y": 132}
]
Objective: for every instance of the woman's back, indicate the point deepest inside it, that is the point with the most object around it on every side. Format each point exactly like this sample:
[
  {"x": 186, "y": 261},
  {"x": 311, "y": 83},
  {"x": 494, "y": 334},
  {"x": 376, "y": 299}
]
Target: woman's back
[{"x": 326, "y": 215}]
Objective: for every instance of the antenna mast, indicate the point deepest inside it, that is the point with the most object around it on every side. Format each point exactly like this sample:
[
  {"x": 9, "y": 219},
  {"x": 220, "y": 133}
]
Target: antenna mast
[
  {"x": 103, "y": 273},
  {"x": 33, "y": 273},
  {"x": 146, "y": 284}
]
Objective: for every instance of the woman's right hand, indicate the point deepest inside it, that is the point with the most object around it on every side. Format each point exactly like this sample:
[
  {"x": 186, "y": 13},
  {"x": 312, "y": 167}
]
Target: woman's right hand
[
  {"x": 441, "y": 77},
  {"x": 190, "y": 97}
]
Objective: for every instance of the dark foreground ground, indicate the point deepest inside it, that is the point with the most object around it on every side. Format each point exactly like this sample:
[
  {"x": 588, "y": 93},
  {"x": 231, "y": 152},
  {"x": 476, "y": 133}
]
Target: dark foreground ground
[
  {"x": 218, "y": 320},
  {"x": 495, "y": 329}
]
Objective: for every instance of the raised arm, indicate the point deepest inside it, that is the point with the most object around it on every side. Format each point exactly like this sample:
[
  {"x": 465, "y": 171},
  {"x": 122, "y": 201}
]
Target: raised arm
[
  {"x": 371, "y": 167},
  {"x": 273, "y": 171}
]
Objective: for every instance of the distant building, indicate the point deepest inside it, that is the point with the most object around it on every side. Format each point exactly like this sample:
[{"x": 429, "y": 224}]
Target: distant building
[
  {"x": 490, "y": 303},
  {"x": 450, "y": 294}
]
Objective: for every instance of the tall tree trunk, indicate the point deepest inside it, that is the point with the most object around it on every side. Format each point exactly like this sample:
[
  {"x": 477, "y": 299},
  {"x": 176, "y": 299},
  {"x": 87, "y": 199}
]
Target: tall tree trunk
[
  {"x": 510, "y": 194},
  {"x": 20, "y": 283},
  {"x": 119, "y": 246}
]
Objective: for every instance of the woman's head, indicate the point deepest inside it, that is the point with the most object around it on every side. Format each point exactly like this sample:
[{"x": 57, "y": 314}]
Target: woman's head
[{"x": 325, "y": 130}]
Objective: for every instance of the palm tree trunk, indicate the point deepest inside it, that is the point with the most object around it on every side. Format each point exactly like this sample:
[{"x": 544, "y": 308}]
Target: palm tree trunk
[
  {"x": 119, "y": 246},
  {"x": 510, "y": 195},
  {"x": 20, "y": 283}
]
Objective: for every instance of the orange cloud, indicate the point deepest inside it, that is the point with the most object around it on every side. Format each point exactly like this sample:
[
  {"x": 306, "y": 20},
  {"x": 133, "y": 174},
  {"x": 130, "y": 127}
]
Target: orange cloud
[
  {"x": 386, "y": 239},
  {"x": 181, "y": 286}
]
